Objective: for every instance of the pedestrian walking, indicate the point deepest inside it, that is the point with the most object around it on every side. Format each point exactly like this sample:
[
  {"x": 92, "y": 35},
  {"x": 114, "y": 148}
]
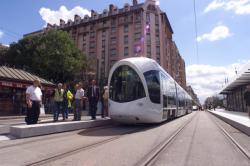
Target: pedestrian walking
[
  {"x": 67, "y": 101},
  {"x": 34, "y": 102},
  {"x": 79, "y": 97},
  {"x": 93, "y": 97},
  {"x": 58, "y": 100},
  {"x": 105, "y": 97}
]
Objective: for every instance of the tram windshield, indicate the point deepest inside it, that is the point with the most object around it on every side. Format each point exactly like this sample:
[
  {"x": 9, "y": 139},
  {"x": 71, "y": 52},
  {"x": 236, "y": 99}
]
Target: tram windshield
[
  {"x": 153, "y": 83},
  {"x": 126, "y": 85}
]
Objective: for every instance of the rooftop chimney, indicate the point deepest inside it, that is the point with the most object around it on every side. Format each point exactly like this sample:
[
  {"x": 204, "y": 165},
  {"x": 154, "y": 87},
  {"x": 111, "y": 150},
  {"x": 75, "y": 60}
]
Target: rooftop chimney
[
  {"x": 135, "y": 2},
  {"x": 111, "y": 7},
  {"x": 92, "y": 13},
  {"x": 62, "y": 22},
  {"x": 77, "y": 17}
]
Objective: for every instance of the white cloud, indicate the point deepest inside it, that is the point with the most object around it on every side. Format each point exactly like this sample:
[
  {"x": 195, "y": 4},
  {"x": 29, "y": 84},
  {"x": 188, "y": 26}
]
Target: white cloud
[
  {"x": 6, "y": 45},
  {"x": 214, "y": 5},
  {"x": 54, "y": 16},
  {"x": 208, "y": 80},
  {"x": 239, "y": 7},
  {"x": 218, "y": 33},
  {"x": 1, "y": 34}
]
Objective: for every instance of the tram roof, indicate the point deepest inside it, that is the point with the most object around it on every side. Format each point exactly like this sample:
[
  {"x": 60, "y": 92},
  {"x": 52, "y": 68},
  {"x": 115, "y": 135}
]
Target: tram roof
[
  {"x": 146, "y": 64},
  {"x": 143, "y": 63},
  {"x": 241, "y": 79}
]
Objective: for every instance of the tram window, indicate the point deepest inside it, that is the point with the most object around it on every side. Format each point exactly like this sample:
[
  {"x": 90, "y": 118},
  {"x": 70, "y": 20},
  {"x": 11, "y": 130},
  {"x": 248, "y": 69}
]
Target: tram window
[
  {"x": 126, "y": 85},
  {"x": 153, "y": 83},
  {"x": 164, "y": 83}
]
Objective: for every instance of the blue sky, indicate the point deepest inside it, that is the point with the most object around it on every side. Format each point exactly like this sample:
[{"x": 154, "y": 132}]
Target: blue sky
[{"x": 223, "y": 30}]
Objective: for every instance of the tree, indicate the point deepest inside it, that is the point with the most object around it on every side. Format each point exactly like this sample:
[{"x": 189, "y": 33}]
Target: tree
[
  {"x": 213, "y": 101},
  {"x": 3, "y": 51},
  {"x": 52, "y": 55}
]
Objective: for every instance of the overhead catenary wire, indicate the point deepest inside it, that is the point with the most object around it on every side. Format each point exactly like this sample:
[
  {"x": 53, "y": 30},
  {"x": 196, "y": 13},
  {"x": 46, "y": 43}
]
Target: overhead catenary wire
[
  {"x": 10, "y": 33},
  {"x": 196, "y": 33}
]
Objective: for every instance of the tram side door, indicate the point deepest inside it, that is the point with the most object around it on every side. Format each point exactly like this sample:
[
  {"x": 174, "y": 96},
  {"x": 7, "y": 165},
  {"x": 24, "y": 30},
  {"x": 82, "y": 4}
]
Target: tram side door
[{"x": 164, "y": 98}]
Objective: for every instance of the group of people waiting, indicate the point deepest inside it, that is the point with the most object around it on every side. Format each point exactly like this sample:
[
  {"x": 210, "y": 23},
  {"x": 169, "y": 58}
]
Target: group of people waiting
[{"x": 64, "y": 101}]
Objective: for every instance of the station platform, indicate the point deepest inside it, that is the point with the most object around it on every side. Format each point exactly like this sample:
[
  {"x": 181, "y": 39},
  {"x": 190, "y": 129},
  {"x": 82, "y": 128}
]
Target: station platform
[
  {"x": 239, "y": 120},
  {"x": 45, "y": 128}
]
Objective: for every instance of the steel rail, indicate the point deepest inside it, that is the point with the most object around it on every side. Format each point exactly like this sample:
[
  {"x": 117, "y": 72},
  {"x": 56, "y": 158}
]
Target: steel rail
[
  {"x": 154, "y": 153},
  {"x": 227, "y": 135}
]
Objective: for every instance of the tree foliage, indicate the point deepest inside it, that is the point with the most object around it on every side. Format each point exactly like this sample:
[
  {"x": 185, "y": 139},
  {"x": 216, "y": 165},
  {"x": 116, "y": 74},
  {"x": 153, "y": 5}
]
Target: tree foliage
[
  {"x": 52, "y": 55},
  {"x": 213, "y": 101},
  {"x": 3, "y": 51}
]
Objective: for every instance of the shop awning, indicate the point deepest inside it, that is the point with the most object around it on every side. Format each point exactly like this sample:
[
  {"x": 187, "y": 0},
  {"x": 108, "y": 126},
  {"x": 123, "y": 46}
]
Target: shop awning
[
  {"x": 241, "y": 79},
  {"x": 9, "y": 75}
]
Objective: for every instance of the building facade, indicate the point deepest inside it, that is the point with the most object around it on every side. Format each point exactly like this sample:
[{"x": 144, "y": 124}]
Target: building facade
[
  {"x": 194, "y": 96},
  {"x": 140, "y": 29}
]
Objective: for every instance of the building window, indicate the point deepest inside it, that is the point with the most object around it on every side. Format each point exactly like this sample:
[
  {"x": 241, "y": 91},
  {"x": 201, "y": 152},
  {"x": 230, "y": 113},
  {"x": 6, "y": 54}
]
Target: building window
[
  {"x": 157, "y": 40},
  {"x": 103, "y": 54},
  {"x": 103, "y": 34},
  {"x": 148, "y": 39},
  {"x": 91, "y": 45},
  {"x": 148, "y": 17},
  {"x": 125, "y": 28},
  {"x": 149, "y": 50},
  {"x": 84, "y": 38},
  {"x": 113, "y": 52},
  {"x": 156, "y": 19},
  {"x": 137, "y": 36},
  {"x": 125, "y": 51},
  {"x": 113, "y": 29},
  {"x": 126, "y": 39},
  {"x": 113, "y": 41},
  {"x": 125, "y": 18},
  {"x": 113, "y": 22},
  {"x": 92, "y": 34},
  {"x": 138, "y": 17},
  {"x": 103, "y": 43},
  {"x": 158, "y": 50},
  {"x": 92, "y": 54},
  {"x": 138, "y": 26}
]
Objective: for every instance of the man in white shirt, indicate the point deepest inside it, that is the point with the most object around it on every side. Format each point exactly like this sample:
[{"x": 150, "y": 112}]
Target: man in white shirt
[
  {"x": 34, "y": 102},
  {"x": 79, "y": 97}
]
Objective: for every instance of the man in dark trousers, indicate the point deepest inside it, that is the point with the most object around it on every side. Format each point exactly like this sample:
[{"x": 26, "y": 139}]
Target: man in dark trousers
[
  {"x": 93, "y": 97},
  {"x": 34, "y": 102}
]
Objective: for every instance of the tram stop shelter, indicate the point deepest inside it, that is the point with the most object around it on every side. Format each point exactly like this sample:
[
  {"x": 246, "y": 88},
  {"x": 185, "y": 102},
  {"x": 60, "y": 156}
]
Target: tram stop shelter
[
  {"x": 13, "y": 84},
  {"x": 237, "y": 92}
]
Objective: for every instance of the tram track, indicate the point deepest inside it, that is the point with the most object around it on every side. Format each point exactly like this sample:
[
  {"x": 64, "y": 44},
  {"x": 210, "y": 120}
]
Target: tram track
[
  {"x": 83, "y": 148},
  {"x": 154, "y": 153},
  {"x": 57, "y": 135},
  {"x": 230, "y": 138},
  {"x": 91, "y": 146}
]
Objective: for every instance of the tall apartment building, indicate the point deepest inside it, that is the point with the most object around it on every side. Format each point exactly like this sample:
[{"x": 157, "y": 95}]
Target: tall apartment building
[{"x": 140, "y": 29}]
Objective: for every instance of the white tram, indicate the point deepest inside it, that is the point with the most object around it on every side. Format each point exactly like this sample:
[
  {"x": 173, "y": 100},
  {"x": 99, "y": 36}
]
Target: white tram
[{"x": 141, "y": 91}]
